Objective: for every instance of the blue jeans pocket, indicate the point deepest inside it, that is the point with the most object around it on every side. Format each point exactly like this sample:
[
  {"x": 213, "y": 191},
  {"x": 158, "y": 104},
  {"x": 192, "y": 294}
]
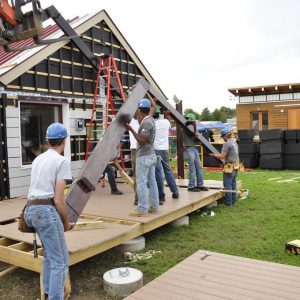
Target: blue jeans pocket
[{"x": 41, "y": 218}]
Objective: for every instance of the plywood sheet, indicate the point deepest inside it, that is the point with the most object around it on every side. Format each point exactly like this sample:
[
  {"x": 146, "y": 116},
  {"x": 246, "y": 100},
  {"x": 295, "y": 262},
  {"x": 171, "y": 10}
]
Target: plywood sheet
[
  {"x": 102, "y": 203},
  {"x": 76, "y": 240},
  {"x": 212, "y": 184},
  {"x": 11, "y": 209},
  {"x": 221, "y": 276}
]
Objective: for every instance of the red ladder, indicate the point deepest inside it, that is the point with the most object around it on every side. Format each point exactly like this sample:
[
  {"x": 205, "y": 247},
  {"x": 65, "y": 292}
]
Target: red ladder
[{"x": 107, "y": 72}]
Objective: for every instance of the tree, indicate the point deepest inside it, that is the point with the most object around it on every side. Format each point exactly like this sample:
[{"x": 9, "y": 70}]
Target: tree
[{"x": 205, "y": 115}]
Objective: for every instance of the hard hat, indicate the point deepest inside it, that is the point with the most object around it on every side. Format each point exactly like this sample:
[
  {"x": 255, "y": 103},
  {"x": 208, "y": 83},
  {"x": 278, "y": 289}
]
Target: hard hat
[
  {"x": 56, "y": 131},
  {"x": 144, "y": 103},
  {"x": 224, "y": 131},
  {"x": 157, "y": 110},
  {"x": 190, "y": 117}
]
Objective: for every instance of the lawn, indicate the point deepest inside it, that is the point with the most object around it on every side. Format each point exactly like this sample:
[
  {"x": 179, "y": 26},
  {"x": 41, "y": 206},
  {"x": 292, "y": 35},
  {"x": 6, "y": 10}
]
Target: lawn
[{"x": 256, "y": 227}]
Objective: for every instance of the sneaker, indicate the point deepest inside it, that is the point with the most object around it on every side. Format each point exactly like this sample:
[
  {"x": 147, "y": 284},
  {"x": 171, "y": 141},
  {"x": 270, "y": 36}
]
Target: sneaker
[
  {"x": 175, "y": 195},
  {"x": 202, "y": 188},
  {"x": 162, "y": 201},
  {"x": 137, "y": 213},
  {"x": 116, "y": 192},
  {"x": 153, "y": 211},
  {"x": 135, "y": 202},
  {"x": 193, "y": 189}
]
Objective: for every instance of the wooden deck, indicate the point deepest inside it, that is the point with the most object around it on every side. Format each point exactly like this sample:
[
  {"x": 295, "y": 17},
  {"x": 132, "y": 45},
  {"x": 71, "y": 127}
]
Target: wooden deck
[
  {"x": 16, "y": 247},
  {"x": 221, "y": 276}
]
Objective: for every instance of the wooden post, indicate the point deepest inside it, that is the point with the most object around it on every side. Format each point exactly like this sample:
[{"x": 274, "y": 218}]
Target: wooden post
[{"x": 180, "y": 160}]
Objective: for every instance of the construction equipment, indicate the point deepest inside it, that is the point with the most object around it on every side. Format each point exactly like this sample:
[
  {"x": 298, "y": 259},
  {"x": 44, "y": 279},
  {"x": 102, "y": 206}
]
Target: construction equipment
[{"x": 18, "y": 26}]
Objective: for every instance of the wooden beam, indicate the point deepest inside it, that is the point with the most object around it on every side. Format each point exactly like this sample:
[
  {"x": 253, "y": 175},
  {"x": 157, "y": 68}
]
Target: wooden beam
[
  {"x": 179, "y": 145},
  {"x": 88, "y": 225}
]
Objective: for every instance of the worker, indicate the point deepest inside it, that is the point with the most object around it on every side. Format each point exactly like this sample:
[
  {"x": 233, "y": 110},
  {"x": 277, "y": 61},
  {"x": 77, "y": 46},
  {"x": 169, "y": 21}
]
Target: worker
[
  {"x": 110, "y": 172},
  {"x": 229, "y": 153},
  {"x": 161, "y": 147},
  {"x": 46, "y": 209},
  {"x": 133, "y": 145},
  {"x": 191, "y": 154},
  {"x": 145, "y": 160}
]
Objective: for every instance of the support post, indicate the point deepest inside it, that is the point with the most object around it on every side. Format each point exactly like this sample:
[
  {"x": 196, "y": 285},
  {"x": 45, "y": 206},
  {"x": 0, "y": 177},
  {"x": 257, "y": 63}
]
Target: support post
[{"x": 179, "y": 144}]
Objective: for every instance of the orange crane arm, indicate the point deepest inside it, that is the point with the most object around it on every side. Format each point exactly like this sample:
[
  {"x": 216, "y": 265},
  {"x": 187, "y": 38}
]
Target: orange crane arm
[{"x": 7, "y": 12}]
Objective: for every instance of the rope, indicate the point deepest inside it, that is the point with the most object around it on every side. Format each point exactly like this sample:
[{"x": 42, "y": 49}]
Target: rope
[{"x": 133, "y": 257}]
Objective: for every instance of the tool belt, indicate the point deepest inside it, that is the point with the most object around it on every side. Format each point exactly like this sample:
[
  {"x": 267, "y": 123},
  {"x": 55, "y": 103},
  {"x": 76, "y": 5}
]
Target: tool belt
[
  {"x": 22, "y": 225},
  {"x": 40, "y": 202},
  {"x": 228, "y": 168}
]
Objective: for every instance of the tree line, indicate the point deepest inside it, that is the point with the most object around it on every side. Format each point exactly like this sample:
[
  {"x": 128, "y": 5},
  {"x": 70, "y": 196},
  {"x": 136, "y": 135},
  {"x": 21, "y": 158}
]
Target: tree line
[{"x": 219, "y": 114}]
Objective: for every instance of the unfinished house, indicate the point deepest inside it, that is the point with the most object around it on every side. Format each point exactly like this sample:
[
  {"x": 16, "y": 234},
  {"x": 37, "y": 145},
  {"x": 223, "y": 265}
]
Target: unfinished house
[
  {"x": 55, "y": 83},
  {"x": 268, "y": 107}
]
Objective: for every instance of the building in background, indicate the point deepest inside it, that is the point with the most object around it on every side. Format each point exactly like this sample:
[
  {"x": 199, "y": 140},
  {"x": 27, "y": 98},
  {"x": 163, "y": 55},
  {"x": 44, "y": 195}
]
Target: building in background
[{"x": 268, "y": 107}]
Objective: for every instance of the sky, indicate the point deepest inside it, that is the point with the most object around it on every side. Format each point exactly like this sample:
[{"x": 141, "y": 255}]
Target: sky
[{"x": 197, "y": 49}]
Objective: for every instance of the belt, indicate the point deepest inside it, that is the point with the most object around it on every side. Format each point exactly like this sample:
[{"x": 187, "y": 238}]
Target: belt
[{"x": 41, "y": 202}]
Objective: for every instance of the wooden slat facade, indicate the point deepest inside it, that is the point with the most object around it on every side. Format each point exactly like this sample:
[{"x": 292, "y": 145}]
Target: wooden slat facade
[
  {"x": 221, "y": 276},
  {"x": 278, "y": 114}
]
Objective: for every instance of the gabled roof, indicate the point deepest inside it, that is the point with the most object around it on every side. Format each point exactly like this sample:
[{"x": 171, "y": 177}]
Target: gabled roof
[
  {"x": 265, "y": 89},
  {"x": 18, "y": 64}
]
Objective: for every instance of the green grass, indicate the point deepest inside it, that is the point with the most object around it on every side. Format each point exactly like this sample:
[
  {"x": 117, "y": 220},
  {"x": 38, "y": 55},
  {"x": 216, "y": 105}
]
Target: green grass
[{"x": 257, "y": 227}]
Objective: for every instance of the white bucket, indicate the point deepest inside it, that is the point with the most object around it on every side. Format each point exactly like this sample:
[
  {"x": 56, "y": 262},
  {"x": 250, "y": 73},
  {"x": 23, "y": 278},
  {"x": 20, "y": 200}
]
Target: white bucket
[{"x": 122, "y": 281}]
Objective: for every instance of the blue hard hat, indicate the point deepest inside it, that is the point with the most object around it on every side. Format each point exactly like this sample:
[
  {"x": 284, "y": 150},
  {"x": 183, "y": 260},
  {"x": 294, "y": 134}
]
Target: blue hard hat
[
  {"x": 144, "y": 103},
  {"x": 56, "y": 131},
  {"x": 224, "y": 131}
]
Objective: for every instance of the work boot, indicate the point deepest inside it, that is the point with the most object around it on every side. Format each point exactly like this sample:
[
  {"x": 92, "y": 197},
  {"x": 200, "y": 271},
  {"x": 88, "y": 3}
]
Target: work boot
[
  {"x": 162, "y": 201},
  {"x": 193, "y": 189},
  {"x": 175, "y": 195},
  {"x": 135, "y": 202},
  {"x": 153, "y": 211},
  {"x": 137, "y": 213},
  {"x": 116, "y": 192},
  {"x": 202, "y": 188}
]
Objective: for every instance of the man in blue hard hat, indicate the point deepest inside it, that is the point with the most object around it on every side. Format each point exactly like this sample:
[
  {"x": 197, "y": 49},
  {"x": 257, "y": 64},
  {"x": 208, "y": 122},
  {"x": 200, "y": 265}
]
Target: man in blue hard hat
[
  {"x": 191, "y": 154},
  {"x": 229, "y": 153},
  {"x": 46, "y": 209},
  {"x": 145, "y": 160}
]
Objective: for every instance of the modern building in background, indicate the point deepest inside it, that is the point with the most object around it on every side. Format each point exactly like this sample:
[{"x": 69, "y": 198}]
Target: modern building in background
[{"x": 268, "y": 107}]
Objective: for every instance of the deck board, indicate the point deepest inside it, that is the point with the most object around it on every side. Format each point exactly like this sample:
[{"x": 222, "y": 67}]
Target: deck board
[{"x": 221, "y": 276}]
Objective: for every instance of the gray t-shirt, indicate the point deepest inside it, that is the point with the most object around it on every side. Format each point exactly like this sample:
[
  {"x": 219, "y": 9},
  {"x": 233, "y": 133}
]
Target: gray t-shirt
[
  {"x": 47, "y": 168},
  {"x": 232, "y": 150},
  {"x": 147, "y": 128}
]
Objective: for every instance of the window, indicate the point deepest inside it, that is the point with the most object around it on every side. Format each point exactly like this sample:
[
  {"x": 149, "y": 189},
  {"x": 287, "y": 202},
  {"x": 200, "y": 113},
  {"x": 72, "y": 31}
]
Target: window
[
  {"x": 245, "y": 99},
  {"x": 273, "y": 97},
  {"x": 260, "y": 98},
  {"x": 260, "y": 120},
  {"x": 34, "y": 119},
  {"x": 286, "y": 96}
]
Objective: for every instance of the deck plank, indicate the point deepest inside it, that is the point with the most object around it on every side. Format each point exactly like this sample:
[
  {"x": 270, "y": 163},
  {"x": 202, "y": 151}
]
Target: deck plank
[{"x": 226, "y": 277}]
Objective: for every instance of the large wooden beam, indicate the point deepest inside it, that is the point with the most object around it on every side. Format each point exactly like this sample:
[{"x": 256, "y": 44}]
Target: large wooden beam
[
  {"x": 89, "y": 176},
  {"x": 179, "y": 145}
]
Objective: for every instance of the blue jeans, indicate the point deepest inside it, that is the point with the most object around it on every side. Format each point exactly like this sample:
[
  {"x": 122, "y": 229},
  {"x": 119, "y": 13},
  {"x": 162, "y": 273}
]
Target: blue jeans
[
  {"x": 191, "y": 154},
  {"x": 145, "y": 174},
  {"x": 48, "y": 225},
  {"x": 229, "y": 182},
  {"x": 163, "y": 165}
]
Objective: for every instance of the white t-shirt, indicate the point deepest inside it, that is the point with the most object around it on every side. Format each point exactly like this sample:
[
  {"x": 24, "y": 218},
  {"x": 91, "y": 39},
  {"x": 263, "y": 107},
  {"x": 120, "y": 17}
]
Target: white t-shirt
[
  {"x": 47, "y": 168},
  {"x": 135, "y": 125},
  {"x": 161, "y": 141}
]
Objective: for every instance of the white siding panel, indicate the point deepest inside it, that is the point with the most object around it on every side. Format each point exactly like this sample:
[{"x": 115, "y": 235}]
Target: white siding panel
[
  {"x": 14, "y": 162},
  {"x": 19, "y": 191},
  {"x": 17, "y": 172},
  {"x": 74, "y": 114},
  {"x": 12, "y": 122},
  {"x": 12, "y": 112},
  {"x": 19, "y": 181},
  {"x": 14, "y": 152},
  {"x": 13, "y": 142},
  {"x": 13, "y": 132}
]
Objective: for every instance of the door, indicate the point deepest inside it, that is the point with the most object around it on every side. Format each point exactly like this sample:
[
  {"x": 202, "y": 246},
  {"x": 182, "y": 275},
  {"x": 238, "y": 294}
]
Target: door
[
  {"x": 294, "y": 118},
  {"x": 4, "y": 179},
  {"x": 260, "y": 120}
]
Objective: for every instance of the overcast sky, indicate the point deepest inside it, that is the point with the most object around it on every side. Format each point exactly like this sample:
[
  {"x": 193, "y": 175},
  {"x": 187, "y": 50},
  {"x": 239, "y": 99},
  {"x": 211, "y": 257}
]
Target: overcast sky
[{"x": 198, "y": 49}]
